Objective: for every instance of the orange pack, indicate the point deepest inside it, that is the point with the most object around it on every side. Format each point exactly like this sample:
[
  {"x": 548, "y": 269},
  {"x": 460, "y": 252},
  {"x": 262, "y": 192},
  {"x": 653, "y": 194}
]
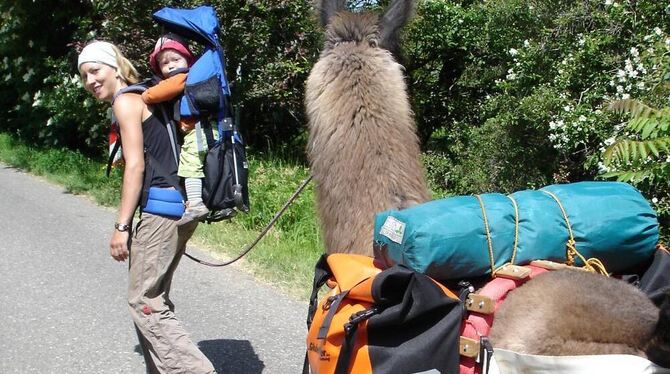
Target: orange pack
[{"x": 374, "y": 320}]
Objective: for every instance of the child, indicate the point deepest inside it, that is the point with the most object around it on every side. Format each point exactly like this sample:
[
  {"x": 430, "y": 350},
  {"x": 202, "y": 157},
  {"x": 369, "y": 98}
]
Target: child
[{"x": 169, "y": 59}]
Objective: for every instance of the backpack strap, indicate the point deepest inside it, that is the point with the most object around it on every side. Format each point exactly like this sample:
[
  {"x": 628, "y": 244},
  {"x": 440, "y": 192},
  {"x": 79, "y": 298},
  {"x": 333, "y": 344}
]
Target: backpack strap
[
  {"x": 135, "y": 88},
  {"x": 112, "y": 155}
]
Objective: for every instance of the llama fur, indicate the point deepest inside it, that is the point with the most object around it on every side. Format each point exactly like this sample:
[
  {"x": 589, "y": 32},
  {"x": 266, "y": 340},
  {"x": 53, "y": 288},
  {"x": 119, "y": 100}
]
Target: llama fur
[
  {"x": 573, "y": 312},
  {"x": 363, "y": 148}
]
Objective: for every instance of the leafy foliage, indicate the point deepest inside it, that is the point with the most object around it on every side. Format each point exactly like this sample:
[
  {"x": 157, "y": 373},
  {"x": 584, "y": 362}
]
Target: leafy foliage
[{"x": 507, "y": 94}]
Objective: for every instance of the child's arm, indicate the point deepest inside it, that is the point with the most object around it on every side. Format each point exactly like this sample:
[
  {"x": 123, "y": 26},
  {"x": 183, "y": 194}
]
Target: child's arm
[{"x": 165, "y": 90}]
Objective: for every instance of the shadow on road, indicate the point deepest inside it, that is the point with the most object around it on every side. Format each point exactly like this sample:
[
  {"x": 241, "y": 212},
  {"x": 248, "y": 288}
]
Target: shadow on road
[
  {"x": 228, "y": 356},
  {"x": 232, "y": 356}
]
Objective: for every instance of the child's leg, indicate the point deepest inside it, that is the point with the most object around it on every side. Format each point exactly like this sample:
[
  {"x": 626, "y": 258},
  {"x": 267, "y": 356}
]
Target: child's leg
[
  {"x": 190, "y": 168},
  {"x": 193, "y": 190}
]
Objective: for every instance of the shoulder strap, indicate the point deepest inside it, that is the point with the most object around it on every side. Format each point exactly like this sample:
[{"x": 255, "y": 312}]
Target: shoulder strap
[
  {"x": 171, "y": 128},
  {"x": 134, "y": 88}
]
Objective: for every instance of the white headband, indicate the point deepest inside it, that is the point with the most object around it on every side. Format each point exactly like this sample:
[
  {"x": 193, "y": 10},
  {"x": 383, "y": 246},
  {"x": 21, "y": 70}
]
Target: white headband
[{"x": 101, "y": 52}]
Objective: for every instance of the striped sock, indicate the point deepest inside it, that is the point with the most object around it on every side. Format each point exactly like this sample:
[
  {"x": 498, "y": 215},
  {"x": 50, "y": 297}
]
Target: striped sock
[{"x": 193, "y": 190}]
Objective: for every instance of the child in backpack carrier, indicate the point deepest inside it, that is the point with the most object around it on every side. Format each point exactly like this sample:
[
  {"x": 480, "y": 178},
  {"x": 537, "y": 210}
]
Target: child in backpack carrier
[{"x": 169, "y": 60}]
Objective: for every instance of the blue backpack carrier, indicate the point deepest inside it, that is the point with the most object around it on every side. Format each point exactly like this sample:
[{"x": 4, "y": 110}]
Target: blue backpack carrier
[{"x": 207, "y": 98}]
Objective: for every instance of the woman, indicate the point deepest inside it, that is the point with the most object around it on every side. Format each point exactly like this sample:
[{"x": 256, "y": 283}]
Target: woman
[{"x": 156, "y": 244}]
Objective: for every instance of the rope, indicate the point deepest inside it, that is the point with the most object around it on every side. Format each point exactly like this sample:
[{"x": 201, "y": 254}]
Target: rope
[
  {"x": 593, "y": 264},
  {"x": 516, "y": 228},
  {"x": 488, "y": 234},
  {"x": 262, "y": 234}
]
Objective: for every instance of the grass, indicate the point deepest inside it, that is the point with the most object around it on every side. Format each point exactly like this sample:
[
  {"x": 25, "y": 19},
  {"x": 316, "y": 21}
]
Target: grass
[{"x": 285, "y": 258}]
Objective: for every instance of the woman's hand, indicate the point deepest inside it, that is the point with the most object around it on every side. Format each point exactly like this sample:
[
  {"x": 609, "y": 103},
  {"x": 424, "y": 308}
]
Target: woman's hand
[{"x": 118, "y": 245}]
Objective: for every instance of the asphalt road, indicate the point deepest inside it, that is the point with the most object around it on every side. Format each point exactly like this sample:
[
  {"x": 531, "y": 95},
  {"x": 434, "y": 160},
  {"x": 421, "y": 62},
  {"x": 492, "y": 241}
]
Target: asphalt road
[{"x": 62, "y": 298}]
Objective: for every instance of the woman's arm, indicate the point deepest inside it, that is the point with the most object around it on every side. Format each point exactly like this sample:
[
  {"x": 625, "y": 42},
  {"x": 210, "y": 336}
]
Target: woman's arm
[{"x": 128, "y": 110}]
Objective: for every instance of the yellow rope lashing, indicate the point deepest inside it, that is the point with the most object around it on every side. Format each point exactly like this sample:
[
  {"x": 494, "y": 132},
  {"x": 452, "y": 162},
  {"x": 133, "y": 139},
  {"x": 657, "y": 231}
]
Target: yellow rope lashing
[
  {"x": 516, "y": 228},
  {"x": 488, "y": 234},
  {"x": 593, "y": 264}
]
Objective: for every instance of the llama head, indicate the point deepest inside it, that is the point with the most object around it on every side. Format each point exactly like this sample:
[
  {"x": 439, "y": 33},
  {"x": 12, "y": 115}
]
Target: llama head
[{"x": 378, "y": 31}]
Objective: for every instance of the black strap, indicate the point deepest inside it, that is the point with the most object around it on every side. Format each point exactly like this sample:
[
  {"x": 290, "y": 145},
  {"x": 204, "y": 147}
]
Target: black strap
[
  {"x": 321, "y": 274},
  {"x": 485, "y": 354},
  {"x": 112, "y": 154},
  {"x": 332, "y": 304},
  {"x": 344, "y": 358}
]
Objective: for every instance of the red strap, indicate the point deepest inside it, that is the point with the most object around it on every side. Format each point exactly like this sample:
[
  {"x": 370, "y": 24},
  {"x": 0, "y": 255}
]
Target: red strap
[{"x": 476, "y": 325}]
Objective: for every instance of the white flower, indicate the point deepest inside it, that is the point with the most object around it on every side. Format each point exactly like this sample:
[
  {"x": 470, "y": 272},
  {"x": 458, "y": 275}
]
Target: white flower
[
  {"x": 582, "y": 118},
  {"x": 658, "y": 31},
  {"x": 513, "y": 52},
  {"x": 581, "y": 41},
  {"x": 602, "y": 168},
  {"x": 640, "y": 85},
  {"x": 654, "y": 200},
  {"x": 552, "y": 125},
  {"x": 50, "y": 121},
  {"x": 608, "y": 2},
  {"x": 621, "y": 73},
  {"x": 634, "y": 52},
  {"x": 526, "y": 43},
  {"x": 629, "y": 65},
  {"x": 609, "y": 141},
  {"x": 625, "y": 96},
  {"x": 619, "y": 89},
  {"x": 567, "y": 108},
  {"x": 667, "y": 41},
  {"x": 560, "y": 123},
  {"x": 598, "y": 111}
]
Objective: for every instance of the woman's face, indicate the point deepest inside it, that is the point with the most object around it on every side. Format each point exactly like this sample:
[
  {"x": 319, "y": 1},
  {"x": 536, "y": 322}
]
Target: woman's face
[{"x": 100, "y": 80}]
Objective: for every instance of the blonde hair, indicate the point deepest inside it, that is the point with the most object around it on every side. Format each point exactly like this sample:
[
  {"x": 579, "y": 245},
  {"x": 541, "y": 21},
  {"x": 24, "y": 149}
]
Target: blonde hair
[
  {"x": 126, "y": 70},
  {"x": 108, "y": 54}
]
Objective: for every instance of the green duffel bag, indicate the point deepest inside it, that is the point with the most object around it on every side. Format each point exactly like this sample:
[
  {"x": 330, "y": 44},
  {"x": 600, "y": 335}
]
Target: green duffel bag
[{"x": 469, "y": 236}]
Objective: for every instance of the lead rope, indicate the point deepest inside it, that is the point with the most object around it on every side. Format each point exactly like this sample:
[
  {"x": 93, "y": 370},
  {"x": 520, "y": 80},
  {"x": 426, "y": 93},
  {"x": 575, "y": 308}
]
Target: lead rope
[
  {"x": 592, "y": 264},
  {"x": 262, "y": 234}
]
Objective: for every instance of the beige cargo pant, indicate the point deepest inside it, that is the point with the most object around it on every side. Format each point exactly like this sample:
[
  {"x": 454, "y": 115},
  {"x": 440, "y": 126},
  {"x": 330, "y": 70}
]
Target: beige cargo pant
[{"x": 156, "y": 247}]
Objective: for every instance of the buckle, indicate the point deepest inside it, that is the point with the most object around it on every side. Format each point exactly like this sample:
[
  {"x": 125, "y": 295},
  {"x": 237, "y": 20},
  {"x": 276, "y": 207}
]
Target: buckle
[
  {"x": 479, "y": 304},
  {"x": 510, "y": 271}
]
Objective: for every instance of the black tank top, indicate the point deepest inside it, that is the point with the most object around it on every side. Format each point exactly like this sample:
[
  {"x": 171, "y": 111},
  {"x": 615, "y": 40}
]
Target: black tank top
[{"x": 159, "y": 160}]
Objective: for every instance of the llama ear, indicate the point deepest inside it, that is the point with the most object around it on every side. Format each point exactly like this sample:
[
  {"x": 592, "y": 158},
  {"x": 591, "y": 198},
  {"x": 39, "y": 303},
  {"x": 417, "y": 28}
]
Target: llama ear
[
  {"x": 327, "y": 8},
  {"x": 395, "y": 18}
]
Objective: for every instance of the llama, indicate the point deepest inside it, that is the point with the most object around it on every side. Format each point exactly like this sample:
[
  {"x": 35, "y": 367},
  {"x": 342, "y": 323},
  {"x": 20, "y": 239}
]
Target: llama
[
  {"x": 363, "y": 147},
  {"x": 573, "y": 312},
  {"x": 364, "y": 156}
]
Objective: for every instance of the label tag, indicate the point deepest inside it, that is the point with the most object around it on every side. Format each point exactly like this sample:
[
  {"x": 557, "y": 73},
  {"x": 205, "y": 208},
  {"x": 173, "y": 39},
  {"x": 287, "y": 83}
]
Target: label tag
[{"x": 393, "y": 229}]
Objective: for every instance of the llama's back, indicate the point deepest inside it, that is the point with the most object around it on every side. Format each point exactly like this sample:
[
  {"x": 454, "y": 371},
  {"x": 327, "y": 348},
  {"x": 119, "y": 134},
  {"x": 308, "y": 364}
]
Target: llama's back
[
  {"x": 571, "y": 312},
  {"x": 363, "y": 147}
]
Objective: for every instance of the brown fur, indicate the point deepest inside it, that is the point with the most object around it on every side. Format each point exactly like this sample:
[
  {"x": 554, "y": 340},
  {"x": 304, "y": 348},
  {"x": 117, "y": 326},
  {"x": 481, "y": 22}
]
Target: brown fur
[
  {"x": 572, "y": 312},
  {"x": 363, "y": 147}
]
